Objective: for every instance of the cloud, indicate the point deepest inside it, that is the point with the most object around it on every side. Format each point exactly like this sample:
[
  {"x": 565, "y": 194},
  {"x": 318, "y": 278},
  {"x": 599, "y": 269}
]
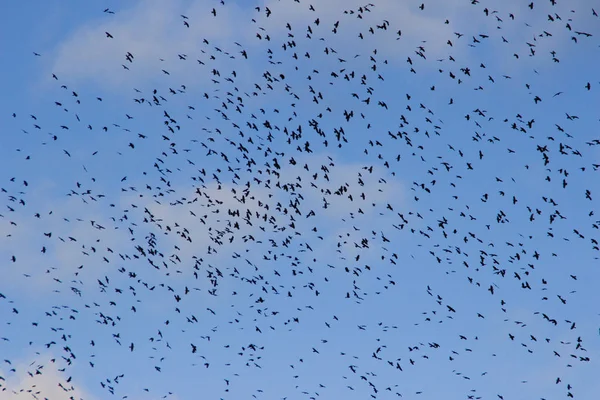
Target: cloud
[
  {"x": 197, "y": 216},
  {"x": 154, "y": 30},
  {"x": 36, "y": 377},
  {"x": 150, "y": 31},
  {"x": 417, "y": 26},
  {"x": 68, "y": 249}
]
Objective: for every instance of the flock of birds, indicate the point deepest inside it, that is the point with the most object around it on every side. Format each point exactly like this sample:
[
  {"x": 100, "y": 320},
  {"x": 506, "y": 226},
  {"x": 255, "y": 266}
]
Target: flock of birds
[{"x": 331, "y": 201}]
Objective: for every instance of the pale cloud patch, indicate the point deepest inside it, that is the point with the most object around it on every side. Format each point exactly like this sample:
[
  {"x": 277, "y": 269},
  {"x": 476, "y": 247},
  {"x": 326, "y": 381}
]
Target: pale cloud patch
[
  {"x": 196, "y": 216},
  {"x": 47, "y": 263},
  {"x": 418, "y": 28},
  {"x": 155, "y": 30},
  {"x": 149, "y": 31},
  {"x": 378, "y": 186},
  {"x": 25, "y": 383}
]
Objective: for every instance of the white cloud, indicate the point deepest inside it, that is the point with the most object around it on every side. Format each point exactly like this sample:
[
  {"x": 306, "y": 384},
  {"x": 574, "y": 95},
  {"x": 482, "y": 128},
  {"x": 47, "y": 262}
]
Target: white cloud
[
  {"x": 25, "y": 383},
  {"x": 151, "y": 30},
  {"x": 62, "y": 258},
  {"x": 154, "y": 29}
]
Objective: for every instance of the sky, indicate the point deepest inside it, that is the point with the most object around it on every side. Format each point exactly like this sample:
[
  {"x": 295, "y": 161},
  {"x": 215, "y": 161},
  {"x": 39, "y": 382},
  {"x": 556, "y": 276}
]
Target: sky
[{"x": 286, "y": 200}]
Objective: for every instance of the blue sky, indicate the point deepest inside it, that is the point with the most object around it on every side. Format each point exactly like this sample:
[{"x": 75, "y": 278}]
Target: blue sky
[{"x": 320, "y": 293}]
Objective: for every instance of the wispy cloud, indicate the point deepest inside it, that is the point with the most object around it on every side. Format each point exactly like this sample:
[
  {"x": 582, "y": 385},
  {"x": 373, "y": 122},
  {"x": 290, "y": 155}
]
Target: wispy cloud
[
  {"x": 36, "y": 377},
  {"x": 150, "y": 31},
  {"x": 154, "y": 31}
]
